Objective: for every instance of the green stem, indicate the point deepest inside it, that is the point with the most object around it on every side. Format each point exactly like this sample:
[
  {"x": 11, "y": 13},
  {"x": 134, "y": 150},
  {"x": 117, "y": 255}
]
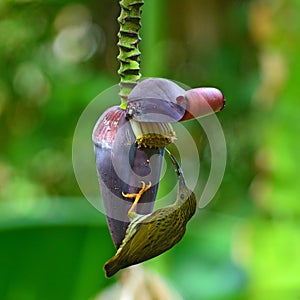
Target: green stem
[{"x": 129, "y": 53}]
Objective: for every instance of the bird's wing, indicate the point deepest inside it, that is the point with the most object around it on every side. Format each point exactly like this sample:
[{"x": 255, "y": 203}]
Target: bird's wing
[{"x": 152, "y": 237}]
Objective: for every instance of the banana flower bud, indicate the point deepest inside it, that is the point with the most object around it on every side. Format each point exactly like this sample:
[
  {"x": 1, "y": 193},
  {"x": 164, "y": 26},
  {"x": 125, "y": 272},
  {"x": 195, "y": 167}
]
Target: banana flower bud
[{"x": 129, "y": 143}]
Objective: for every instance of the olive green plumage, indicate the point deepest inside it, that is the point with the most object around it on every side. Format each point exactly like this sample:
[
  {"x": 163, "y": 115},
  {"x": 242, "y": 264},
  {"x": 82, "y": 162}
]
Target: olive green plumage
[{"x": 150, "y": 235}]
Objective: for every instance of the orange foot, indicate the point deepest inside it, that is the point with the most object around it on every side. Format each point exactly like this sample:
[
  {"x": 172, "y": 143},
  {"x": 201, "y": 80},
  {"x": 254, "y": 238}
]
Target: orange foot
[{"x": 137, "y": 196}]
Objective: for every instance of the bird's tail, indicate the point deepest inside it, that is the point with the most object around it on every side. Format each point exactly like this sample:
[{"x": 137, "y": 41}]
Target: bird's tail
[{"x": 111, "y": 267}]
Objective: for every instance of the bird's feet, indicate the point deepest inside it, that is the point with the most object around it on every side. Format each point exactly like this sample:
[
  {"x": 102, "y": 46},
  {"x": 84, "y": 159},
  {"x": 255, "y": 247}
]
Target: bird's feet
[{"x": 137, "y": 196}]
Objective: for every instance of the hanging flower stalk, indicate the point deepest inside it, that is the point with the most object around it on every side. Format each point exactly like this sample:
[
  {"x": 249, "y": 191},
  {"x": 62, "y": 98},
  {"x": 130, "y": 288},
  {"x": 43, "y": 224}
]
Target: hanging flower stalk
[
  {"x": 129, "y": 53},
  {"x": 123, "y": 165},
  {"x": 130, "y": 139}
]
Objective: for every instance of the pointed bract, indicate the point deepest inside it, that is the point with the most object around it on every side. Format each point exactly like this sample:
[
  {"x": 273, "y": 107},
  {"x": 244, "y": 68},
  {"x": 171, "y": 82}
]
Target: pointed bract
[
  {"x": 161, "y": 100},
  {"x": 121, "y": 166}
]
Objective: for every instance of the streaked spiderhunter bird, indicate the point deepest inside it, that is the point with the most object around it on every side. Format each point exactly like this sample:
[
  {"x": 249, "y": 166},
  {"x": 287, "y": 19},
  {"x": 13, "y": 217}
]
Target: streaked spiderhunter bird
[{"x": 150, "y": 235}]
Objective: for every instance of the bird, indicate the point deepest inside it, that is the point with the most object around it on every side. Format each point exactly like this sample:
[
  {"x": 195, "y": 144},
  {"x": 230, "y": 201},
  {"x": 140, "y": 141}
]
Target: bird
[{"x": 150, "y": 235}]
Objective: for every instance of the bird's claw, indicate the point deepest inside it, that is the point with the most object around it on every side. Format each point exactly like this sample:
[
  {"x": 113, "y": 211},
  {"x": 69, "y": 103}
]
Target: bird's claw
[{"x": 137, "y": 196}]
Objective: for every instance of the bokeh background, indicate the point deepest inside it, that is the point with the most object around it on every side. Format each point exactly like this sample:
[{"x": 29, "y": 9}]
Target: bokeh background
[{"x": 56, "y": 56}]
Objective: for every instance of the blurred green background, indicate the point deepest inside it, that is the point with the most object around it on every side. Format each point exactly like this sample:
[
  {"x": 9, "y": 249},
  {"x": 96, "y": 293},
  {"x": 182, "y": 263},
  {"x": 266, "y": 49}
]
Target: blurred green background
[{"x": 56, "y": 56}]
